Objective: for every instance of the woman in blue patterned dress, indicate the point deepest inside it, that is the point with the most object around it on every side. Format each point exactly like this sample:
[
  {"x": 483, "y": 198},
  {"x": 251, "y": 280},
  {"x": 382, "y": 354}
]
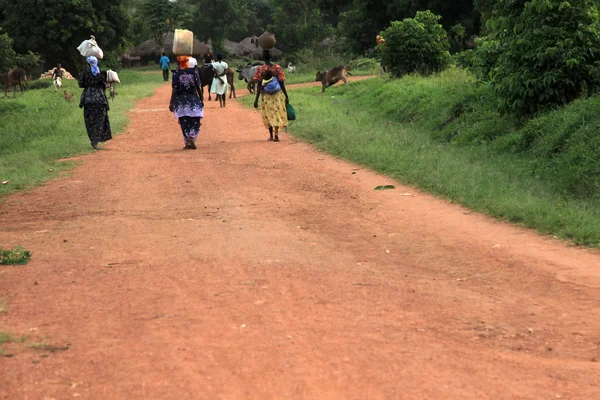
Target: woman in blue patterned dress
[
  {"x": 187, "y": 101},
  {"x": 94, "y": 103}
]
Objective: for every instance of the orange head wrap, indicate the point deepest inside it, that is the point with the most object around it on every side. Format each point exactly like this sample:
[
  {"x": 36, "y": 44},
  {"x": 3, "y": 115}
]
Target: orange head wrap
[{"x": 184, "y": 62}]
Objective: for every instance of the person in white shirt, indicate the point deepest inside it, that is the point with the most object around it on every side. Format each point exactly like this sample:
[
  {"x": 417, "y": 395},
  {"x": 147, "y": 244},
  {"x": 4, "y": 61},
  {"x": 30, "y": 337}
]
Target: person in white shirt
[{"x": 219, "y": 84}]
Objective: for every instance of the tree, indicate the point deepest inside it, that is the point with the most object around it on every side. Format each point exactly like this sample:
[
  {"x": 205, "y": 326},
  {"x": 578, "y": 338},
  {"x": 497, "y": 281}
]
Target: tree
[
  {"x": 7, "y": 54},
  {"x": 162, "y": 16},
  {"x": 550, "y": 52},
  {"x": 417, "y": 44},
  {"x": 55, "y": 31},
  {"x": 362, "y": 23},
  {"x": 298, "y": 24}
]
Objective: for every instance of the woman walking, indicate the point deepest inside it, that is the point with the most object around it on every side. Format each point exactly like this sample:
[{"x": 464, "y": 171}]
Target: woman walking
[
  {"x": 219, "y": 84},
  {"x": 94, "y": 103},
  {"x": 274, "y": 97},
  {"x": 187, "y": 101}
]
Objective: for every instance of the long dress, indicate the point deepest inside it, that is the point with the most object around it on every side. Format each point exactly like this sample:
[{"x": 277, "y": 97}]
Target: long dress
[
  {"x": 219, "y": 86},
  {"x": 95, "y": 106},
  {"x": 187, "y": 105},
  {"x": 272, "y": 106}
]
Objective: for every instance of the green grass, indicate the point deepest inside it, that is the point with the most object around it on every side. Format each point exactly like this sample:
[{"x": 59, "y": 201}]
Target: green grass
[
  {"x": 6, "y": 337},
  {"x": 414, "y": 130},
  {"x": 40, "y": 128},
  {"x": 16, "y": 256}
]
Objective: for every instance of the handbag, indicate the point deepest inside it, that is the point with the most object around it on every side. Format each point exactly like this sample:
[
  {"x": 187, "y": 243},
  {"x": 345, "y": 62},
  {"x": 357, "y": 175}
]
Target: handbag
[
  {"x": 291, "y": 113},
  {"x": 112, "y": 77}
]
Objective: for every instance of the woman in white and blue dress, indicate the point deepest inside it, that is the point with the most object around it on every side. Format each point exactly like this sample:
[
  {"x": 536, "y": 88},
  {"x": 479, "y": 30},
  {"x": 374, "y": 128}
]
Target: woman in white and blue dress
[{"x": 219, "y": 83}]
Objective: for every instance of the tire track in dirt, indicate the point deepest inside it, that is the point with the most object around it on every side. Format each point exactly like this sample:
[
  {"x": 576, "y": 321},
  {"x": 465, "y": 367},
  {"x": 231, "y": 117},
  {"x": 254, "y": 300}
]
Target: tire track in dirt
[{"x": 250, "y": 269}]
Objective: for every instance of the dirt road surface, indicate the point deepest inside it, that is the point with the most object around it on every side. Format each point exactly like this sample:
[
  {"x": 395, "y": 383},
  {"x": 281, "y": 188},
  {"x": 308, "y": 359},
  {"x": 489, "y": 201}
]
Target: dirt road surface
[{"x": 257, "y": 270}]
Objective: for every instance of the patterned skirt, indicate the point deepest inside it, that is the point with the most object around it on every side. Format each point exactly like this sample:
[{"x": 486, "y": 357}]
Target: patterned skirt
[
  {"x": 272, "y": 109},
  {"x": 97, "y": 123},
  {"x": 190, "y": 127}
]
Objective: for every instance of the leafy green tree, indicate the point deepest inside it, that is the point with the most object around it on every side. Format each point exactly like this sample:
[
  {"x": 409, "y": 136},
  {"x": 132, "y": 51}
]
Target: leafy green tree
[
  {"x": 215, "y": 20},
  {"x": 550, "y": 52},
  {"x": 417, "y": 44},
  {"x": 55, "y": 30},
  {"x": 367, "y": 18},
  {"x": 7, "y": 54},
  {"x": 298, "y": 24},
  {"x": 162, "y": 16},
  {"x": 360, "y": 25}
]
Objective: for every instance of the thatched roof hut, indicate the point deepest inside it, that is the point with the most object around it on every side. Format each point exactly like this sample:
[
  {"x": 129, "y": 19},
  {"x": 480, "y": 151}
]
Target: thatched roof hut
[
  {"x": 151, "y": 49},
  {"x": 249, "y": 48},
  {"x": 233, "y": 48}
]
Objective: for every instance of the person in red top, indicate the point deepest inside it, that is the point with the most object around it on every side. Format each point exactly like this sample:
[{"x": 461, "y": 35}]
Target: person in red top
[{"x": 273, "y": 95}]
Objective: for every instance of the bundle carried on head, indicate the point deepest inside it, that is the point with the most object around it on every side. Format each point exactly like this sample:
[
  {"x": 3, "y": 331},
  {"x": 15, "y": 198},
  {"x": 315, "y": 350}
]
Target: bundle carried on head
[
  {"x": 267, "y": 40},
  {"x": 89, "y": 48},
  {"x": 183, "y": 42}
]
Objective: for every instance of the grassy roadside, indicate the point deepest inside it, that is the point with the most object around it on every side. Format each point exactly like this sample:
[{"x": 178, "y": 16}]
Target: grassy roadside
[
  {"x": 401, "y": 128},
  {"x": 40, "y": 128}
]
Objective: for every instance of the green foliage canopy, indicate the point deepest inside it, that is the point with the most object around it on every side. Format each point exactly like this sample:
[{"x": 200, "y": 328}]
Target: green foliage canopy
[
  {"x": 550, "y": 52},
  {"x": 417, "y": 44},
  {"x": 55, "y": 30}
]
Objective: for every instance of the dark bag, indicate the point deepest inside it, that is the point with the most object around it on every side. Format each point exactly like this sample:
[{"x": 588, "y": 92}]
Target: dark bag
[{"x": 291, "y": 113}]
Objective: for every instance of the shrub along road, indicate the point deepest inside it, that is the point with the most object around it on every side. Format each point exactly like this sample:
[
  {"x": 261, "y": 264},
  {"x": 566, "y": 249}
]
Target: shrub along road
[{"x": 250, "y": 269}]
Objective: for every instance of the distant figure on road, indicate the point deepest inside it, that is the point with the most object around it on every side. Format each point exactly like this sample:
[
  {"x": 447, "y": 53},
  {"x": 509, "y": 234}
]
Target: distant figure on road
[
  {"x": 274, "y": 97},
  {"x": 164, "y": 65},
  {"x": 219, "y": 84},
  {"x": 94, "y": 103},
  {"x": 187, "y": 101}
]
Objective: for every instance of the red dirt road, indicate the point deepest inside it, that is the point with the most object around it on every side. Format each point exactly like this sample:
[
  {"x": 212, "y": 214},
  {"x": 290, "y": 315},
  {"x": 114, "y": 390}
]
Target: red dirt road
[{"x": 256, "y": 270}]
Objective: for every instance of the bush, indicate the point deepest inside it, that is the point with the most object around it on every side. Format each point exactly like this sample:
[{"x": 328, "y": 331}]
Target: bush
[
  {"x": 550, "y": 51},
  {"x": 417, "y": 44},
  {"x": 16, "y": 256},
  {"x": 39, "y": 84},
  {"x": 7, "y": 54},
  {"x": 482, "y": 60}
]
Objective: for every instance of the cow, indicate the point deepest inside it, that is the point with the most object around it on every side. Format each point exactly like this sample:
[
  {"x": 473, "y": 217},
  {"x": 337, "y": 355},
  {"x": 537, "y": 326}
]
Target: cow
[
  {"x": 247, "y": 74},
  {"x": 15, "y": 77},
  {"x": 291, "y": 68},
  {"x": 231, "y": 81},
  {"x": 331, "y": 77}
]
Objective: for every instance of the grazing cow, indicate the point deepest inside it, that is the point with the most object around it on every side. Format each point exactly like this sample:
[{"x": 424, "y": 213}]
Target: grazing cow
[
  {"x": 291, "y": 68},
  {"x": 331, "y": 77},
  {"x": 247, "y": 74},
  {"x": 15, "y": 77},
  {"x": 231, "y": 80}
]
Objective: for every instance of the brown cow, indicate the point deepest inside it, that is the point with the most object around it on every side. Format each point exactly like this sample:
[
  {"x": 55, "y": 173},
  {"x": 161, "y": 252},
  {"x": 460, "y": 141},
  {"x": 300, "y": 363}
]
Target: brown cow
[
  {"x": 331, "y": 77},
  {"x": 231, "y": 80},
  {"x": 15, "y": 77}
]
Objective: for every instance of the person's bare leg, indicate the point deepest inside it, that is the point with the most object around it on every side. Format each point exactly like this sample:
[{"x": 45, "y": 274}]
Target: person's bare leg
[{"x": 276, "y": 134}]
